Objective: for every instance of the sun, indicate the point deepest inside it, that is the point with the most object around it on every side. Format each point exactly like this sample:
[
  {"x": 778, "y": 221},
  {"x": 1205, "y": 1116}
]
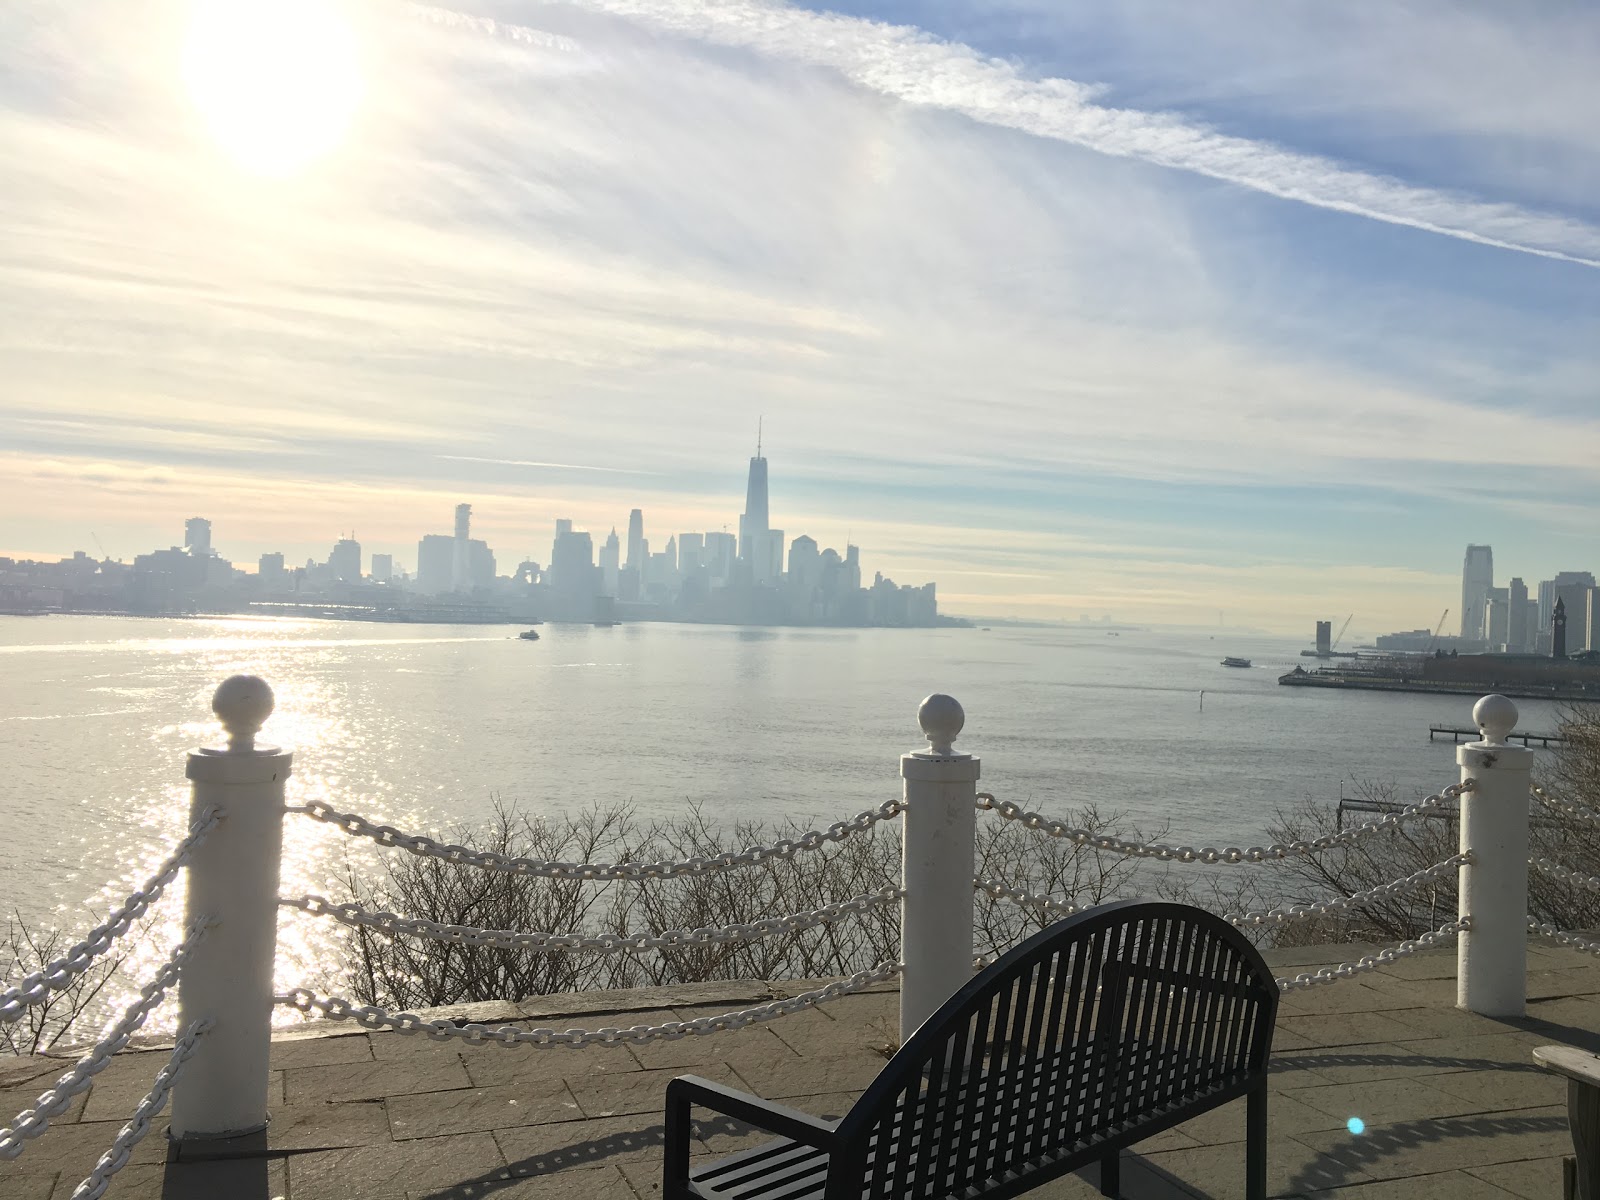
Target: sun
[{"x": 277, "y": 82}]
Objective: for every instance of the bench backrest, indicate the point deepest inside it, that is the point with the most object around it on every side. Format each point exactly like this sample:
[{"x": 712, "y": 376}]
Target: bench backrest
[{"x": 1124, "y": 1012}]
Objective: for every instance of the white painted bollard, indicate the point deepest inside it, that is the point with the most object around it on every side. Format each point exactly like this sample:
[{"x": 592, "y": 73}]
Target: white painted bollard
[
  {"x": 937, "y": 864},
  {"x": 233, "y": 880},
  {"x": 1492, "y": 956}
]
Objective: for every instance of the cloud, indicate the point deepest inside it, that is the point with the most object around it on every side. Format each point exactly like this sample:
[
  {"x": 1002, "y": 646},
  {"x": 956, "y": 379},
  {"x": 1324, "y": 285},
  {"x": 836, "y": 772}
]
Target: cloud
[{"x": 912, "y": 66}]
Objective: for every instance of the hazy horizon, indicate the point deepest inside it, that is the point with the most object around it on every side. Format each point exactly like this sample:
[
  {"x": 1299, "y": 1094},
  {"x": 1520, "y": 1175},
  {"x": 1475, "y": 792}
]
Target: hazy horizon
[{"x": 1134, "y": 308}]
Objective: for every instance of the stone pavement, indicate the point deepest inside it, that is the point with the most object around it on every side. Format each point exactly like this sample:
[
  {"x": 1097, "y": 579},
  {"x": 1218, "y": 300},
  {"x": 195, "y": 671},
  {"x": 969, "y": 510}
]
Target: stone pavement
[{"x": 1452, "y": 1102}]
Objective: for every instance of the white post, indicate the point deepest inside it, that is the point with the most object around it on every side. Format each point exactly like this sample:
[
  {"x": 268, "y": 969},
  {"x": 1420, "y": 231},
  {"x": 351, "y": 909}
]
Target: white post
[
  {"x": 1492, "y": 956},
  {"x": 936, "y": 869},
  {"x": 233, "y": 881}
]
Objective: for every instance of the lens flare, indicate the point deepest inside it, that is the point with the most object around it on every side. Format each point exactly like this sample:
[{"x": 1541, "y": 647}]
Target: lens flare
[{"x": 1356, "y": 1125}]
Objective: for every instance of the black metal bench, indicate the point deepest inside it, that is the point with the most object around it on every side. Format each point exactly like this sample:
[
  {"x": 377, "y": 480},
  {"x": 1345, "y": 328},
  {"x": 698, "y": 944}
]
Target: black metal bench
[{"x": 1097, "y": 1032}]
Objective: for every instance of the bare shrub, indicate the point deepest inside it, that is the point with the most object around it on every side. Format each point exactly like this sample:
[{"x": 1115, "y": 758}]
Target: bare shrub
[{"x": 42, "y": 1026}]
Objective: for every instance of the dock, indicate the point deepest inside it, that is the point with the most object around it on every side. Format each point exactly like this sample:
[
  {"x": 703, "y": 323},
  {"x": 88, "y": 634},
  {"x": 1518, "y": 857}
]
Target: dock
[{"x": 1455, "y": 734}]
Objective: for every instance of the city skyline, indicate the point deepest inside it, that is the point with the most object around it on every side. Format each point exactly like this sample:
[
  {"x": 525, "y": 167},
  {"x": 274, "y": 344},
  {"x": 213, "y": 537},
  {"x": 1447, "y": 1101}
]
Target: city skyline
[{"x": 1152, "y": 311}]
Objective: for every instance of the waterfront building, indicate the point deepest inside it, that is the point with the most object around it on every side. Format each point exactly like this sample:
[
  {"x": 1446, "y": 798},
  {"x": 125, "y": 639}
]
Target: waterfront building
[
  {"x": 1517, "y": 626},
  {"x": 383, "y": 568},
  {"x": 1497, "y": 622},
  {"x": 197, "y": 537},
  {"x": 610, "y": 563},
  {"x": 1477, "y": 578},
  {"x": 1547, "y": 593},
  {"x": 1573, "y": 598},
  {"x": 755, "y": 542},
  {"x": 436, "y": 556},
  {"x": 460, "y": 554},
  {"x": 269, "y": 570},
  {"x": 344, "y": 560},
  {"x": 572, "y": 577}
]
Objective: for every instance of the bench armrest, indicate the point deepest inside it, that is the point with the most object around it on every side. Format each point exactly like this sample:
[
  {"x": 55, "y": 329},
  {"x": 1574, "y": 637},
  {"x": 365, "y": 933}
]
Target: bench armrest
[{"x": 687, "y": 1090}]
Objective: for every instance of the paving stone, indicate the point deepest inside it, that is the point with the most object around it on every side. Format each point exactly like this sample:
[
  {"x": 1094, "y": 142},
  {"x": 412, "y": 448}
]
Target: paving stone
[
  {"x": 28, "y": 1186},
  {"x": 321, "y": 1052},
  {"x": 639, "y": 1091},
  {"x": 73, "y": 1150},
  {"x": 1436, "y": 964},
  {"x": 1532, "y": 1179},
  {"x": 1218, "y": 1171},
  {"x": 645, "y": 1175},
  {"x": 812, "y": 1075},
  {"x": 118, "y": 1089},
  {"x": 1445, "y": 1020},
  {"x": 542, "y": 1149},
  {"x": 533, "y": 1101},
  {"x": 417, "y": 1048},
  {"x": 1348, "y": 996},
  {"x": 469, "y": 1162},
  {"x": 372, "y": 1080},
  {"x": 1354, "y": 1064},
  {"x": 1429, "y": 1146},
  {"x": 1384, "y": 1101},
  {"x": 731, "y": 1046},
  {"x": 234, "y": 1179},
  {"x": 27, "y": 1067},
  {"x": 728, "y": 994},
  {"x": 1285, "y": 1115},
  {"x": 1448, "y": 1185},
  {"x": 494, "y": 1066},
  {"x": 590, "y": 1183},
  {"x": 1507, "y": 1089},
  {"x": 1340, "y": 1029},
  {"x": 14, "y": 1099}
]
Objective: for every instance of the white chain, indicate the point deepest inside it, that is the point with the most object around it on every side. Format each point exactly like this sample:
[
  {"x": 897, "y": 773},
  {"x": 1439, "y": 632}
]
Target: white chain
[
  {"x": 33, "y": 1122},
  {"x": 1384, "y": 891},
  {"x": 131, "y": 1134},
  {"x": 1044, "y": 904},
  {"x": 372, "y": 1017},
  {"x": 1210, "y": 854},
  {"x": 1556, "y": 871},
  {"x": 489, "y": 860},
  {"x": 1562, "y": 937},
  {"x": 1371, "y": 962},
  {"x": 1572, "y": 807},
  {"x": 606, "y": 943},
  {"x": 54, "y": 976}
]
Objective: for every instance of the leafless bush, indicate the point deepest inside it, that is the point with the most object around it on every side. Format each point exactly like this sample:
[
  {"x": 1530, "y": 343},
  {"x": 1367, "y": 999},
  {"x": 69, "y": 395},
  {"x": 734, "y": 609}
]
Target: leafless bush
[
  {"x": 26, "y": 949},
  {"x": 412, "y": 971}
]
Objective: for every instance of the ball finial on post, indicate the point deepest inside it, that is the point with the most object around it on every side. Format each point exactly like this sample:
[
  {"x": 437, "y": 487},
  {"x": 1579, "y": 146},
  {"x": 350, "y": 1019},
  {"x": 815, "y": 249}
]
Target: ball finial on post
[
  {"x": 242, "y": 703},
  {"x": 1495, "y": 717},
  {"x": 941, "y": 718}
]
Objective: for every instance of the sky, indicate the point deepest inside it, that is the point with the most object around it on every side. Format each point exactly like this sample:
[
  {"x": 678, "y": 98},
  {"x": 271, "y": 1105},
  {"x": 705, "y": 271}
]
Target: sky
[{"x": 1253, "y": 311}]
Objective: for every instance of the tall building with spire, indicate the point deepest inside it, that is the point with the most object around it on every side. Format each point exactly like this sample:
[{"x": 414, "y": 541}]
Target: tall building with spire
[
  {"x": 755, "y": 542},
  {"x": 1477, "y": 578},
  {"x": 460, "y": 552}
]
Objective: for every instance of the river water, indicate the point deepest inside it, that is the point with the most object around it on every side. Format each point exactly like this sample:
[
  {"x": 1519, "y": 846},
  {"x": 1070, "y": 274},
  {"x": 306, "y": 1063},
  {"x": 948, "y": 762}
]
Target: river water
[{"x": 425, "y": 726}]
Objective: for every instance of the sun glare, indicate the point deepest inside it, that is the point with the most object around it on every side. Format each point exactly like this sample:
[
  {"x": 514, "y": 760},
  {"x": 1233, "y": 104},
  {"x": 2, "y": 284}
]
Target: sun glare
[{"x": 276, "y": 81}]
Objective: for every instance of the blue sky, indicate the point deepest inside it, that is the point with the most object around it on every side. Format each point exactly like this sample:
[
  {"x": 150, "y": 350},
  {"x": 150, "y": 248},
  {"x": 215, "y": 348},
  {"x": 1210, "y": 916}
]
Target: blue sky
[{"x": 1142, "y": 307}]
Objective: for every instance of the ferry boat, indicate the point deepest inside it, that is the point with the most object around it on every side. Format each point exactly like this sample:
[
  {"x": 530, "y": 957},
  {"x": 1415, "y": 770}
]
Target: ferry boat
[
  {"x": 529, "y": 635},
  {"x": 1230, "y": 661}
]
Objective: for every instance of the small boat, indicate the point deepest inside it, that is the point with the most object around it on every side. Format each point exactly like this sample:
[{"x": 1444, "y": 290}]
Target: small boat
[
  {"x": 606, "y": 624},
  {"x": 529, "y": 635},
  {"x": 1230, "y": 661}
]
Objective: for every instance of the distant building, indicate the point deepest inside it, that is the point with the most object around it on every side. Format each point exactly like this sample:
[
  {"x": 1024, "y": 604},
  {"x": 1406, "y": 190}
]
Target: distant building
[
  {"x": 755, "y": 542},
  {"x": 720, "y": 555},
  {"x": 344, "y": 561},
  {"x": 197, "y": 536},
  {"x": 1477, "y": 577},
  {"x": 383, "y": 568},
  {"x": 611, "y": 564},
  {"x": 436, "y": 559},
  {"x": 1497, "y": 617},
  {"x": 269, "y": 569},
  {"x": 1547, "y": 593},
  {"x": 461, "y": 551},
  {"x": 1558, "y": 629},
  {"x": 572, "y": 575},
  {"x": 1324, "y": 637},
  {"x": 1518, "y": 627},
  {"x": 691, "y": 551}
]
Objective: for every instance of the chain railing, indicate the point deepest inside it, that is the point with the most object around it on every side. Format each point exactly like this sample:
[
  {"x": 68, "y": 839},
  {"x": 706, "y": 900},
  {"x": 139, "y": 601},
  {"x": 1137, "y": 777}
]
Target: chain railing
[
  {"x": 490, "y": 860},
  {"x": 34, "y": 1122},
  {"x": 1563, "y": 937},
  {"x": 1371, "y": 962},
  {"x": 1570, "y": 807},
  {"x": 375, "y": 1017},
  {"x": 604, "y": 943},
  {"x": 1322, "y": 908},
  {"x": 1547, "y": 866},
  {"x": 59, "y": 974},
  {"x": 1050, "y": 827},
  {"x": 130, "y": 1135}
]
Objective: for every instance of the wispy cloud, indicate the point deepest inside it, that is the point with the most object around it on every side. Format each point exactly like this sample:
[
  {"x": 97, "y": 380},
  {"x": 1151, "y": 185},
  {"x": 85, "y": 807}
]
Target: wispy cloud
[
  {"x": 523, "y": 462},
  {"x": 910, "y": 65}
]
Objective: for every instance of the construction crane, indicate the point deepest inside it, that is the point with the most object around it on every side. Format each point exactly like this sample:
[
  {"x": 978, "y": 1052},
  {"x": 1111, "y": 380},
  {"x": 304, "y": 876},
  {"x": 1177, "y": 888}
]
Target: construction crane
[
  {"x": 98, "y": 545},
  {"x": 1434, "y": 641},
  {"x": 1342, "y": 628}
]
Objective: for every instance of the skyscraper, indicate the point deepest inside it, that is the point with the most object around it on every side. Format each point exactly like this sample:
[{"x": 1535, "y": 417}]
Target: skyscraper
[
  {"x": 610, "y": 564},
  {"x": 636, "y": 550},
  {"x": 1477, "y": 577},
  {"x": 755, "y": 544},
  {"x": 1517, "y": 631},
  {"x": 345, "y": 560},
  {"x": 197, "y": 536},
  {"x": 460, "y": 562}
]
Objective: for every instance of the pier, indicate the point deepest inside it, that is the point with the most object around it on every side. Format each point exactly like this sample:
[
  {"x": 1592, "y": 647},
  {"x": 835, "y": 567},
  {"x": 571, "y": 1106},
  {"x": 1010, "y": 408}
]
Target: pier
[{"x": 1456, "y": 733}]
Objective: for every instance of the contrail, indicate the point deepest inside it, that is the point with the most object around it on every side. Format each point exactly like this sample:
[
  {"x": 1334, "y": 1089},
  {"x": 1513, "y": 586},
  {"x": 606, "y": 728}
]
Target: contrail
[{"x": 913, "y": 66}]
